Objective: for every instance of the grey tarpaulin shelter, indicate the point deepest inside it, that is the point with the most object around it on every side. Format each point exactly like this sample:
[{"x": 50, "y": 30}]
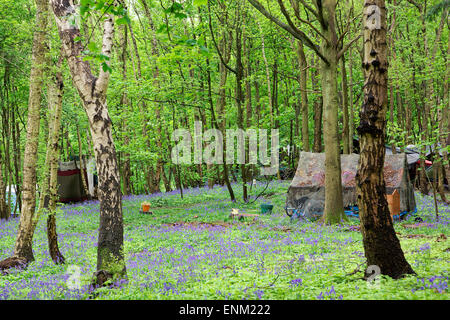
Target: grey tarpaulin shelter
[
  {"x": 70, "y": 185},
  {"x": 306, "y": 192}
]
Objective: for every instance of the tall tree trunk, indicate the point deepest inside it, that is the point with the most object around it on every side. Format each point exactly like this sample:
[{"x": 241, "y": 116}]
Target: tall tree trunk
[
  {"x": 210, "y": 168},
  {"x": 346, "y": 130},
  {"x": 158, "y": 110},
  {"x": 391, "y": 114},
  {"x": 381, "y": 245},
  {"x": 92, "y": 91},
  {"x": 304, "y": 95},
  {"x": 23, "y": 248},
  {"x": 269, "y": 87},
  {"x": 391, "y": 53},
  {"x": 248, "y": 98},
  {"x": 445, "y": 138},
  {"x": 334, "y": 207},
  {"x": 4, "y": 211},
  {"x": 257, "y": 98},
  {"x": 351, "y": 122},
  {"x": 82, "y": 164},
  {"x": 224, "y": 47},
  {"x": 240, "y": 98},
  {"x": 4, "y": 176},
  {"x": 126, "y": 170},
  {"x": 318, "y": 110},
  {"x": 50, "y": 188}
]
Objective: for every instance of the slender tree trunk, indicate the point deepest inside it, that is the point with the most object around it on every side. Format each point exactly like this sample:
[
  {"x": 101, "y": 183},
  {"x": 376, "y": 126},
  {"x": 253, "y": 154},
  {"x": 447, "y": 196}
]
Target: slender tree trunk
[
  {"x": 4, "y": 211},
  {"x": 55, "y": 96},
  {"x": 92, "y": 91},
  {"x": 346, "y": 130},
  {"x": 391, "y": 53},
  {"x": 351, "y": 123},
  {"x": 23, "y": 248},
  {"x": 381, "y": 245},
  {"x": 304, "y": 96},
  {"x": 248, "y": 99},
  {"x": 318, "y": 110},
  {"x": 4, "y": 176},
  {"x": 240, "y": 99},
  {"x": 297, "y": 109},
  {"x": 445, "y": 138},
  {"x": 82, "y": 164},
  {"x": 257, "y": 99},
  {"x": 269, "y": 87},
  {"x": 391, "y": 114},
  {"x": 126, "y": 170},
  {"x": 221, "y": 102},
  {"x": 17, "y": 160}
]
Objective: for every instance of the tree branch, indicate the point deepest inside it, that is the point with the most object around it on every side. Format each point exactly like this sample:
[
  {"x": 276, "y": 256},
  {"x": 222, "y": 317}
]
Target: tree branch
[
  {"x": 310, "y": 9},
  {"x": 295, "y": 32},
  {"x": 414, "y": 3},
  {"x": 104, "y": 75},
  {"x": 288, "y": 18},
  {"x": 64, "y": 12},
  {"x": 215, "y": 43},
  {"x": 319, "y": 14},
  {"x": 348, "y": 45}
]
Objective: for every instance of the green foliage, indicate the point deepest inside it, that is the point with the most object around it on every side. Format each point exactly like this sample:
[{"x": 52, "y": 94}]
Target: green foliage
[{"x": 168, "y": 260}]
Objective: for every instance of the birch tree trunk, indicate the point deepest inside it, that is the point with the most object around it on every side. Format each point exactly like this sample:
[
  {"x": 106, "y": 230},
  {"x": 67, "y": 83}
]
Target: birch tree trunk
[
  {"x": 82, "y": 163},
  {"x": 23, "y": 248},
  {"x": 92, "y": 91},
  {"x": 381, "y": 245},
  {"x": 50, "y": 186}
]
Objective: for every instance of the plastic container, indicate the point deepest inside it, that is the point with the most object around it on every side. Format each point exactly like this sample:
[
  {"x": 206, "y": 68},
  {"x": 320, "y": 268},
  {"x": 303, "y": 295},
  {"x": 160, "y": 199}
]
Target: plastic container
[
  {"x": 266, "y": 208},
  {"x": 393, "y": 201}
]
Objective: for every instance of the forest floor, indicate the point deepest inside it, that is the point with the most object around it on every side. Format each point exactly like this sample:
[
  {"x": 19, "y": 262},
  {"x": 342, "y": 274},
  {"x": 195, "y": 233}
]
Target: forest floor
[{"x": 191, "y": 249}]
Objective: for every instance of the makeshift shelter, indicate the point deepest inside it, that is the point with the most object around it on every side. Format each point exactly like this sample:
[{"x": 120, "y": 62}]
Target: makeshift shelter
[
  {"x": 70, "y": 185},
  {"x": 412, "y": 156},
  {"x": 306, "y": 194}
]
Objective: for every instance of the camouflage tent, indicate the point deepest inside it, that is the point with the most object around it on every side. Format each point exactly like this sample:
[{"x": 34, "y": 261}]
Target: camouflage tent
[{"x": 306, "y": 194}]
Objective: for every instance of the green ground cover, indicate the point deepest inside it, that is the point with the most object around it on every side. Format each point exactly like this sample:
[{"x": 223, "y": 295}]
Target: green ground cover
[{"x": 191, "y": 249}]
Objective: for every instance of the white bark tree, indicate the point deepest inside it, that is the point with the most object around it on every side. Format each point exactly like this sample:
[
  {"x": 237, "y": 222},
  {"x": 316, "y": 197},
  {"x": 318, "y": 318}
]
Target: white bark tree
[{"x": 92, "y": 91}]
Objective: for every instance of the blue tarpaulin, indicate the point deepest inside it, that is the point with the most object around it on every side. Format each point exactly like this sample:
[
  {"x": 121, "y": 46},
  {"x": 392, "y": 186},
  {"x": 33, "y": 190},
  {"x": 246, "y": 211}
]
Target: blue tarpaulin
[{"x": 352, "y": 212}]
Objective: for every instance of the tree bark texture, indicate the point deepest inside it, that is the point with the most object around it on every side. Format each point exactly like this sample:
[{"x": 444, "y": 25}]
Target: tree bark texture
[
  {"x": 334, "y": 208},
  {"x": 92, "y": 91},
  {"x": 23, "y": 247},
  {"x": 304, "y": 96},
  {"x": 55, "y": 96},
  {"x": 381, "y": 245}
]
